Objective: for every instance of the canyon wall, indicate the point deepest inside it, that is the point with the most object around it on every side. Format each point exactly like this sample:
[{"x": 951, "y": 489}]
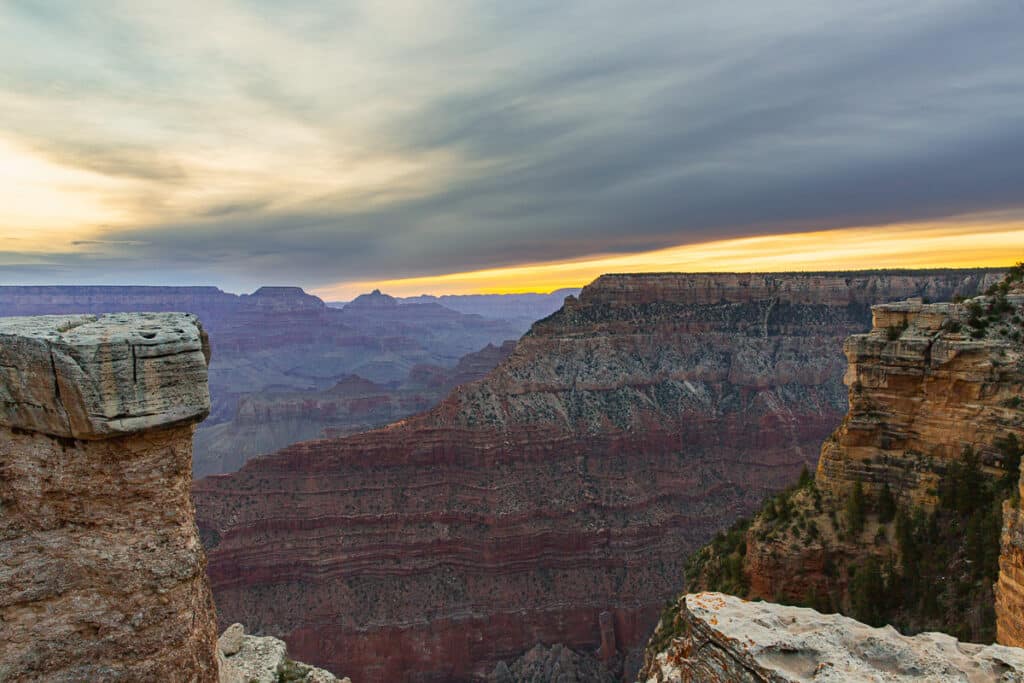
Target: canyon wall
[
  {"x": 268, "y": 421},
  {"x": 280, "y": 347},
  {"x": 717, "y": 638},
  {"x": 102, "y": 570},
  {"x": 571, "y": 483},
  {"x": 901, "y": 522}
]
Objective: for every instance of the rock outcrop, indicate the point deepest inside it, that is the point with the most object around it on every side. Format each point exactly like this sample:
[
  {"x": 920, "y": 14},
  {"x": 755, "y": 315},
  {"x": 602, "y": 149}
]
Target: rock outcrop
[
  {"x": 263, "y": 659},
  {"x": 900, "y": 524},
  {"x": 102, "y": 570},
  {"x": 621, "y": 433},
  {"x": 717, "y": 638}
]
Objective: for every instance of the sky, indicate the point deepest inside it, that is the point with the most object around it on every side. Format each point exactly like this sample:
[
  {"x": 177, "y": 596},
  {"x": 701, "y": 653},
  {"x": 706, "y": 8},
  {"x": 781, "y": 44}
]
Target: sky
[{"x": 456, "y": 146}]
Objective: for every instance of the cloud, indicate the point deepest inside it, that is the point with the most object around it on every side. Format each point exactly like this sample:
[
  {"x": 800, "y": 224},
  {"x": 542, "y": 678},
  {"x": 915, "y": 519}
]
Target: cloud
[{"x": 368, "y": 140}]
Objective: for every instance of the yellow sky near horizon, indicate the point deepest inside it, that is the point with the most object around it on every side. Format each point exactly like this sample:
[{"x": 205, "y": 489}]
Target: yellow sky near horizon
[{"x": 992, "y": 240}]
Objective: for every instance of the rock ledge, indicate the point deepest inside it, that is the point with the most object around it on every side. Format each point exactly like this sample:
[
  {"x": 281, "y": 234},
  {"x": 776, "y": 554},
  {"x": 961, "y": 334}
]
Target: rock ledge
[
  {"x": 724, "y": 638},
  {"x": 95, "y": 377}
]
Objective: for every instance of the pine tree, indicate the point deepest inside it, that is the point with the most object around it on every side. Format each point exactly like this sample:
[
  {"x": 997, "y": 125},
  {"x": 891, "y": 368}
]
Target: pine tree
[
  {"x": 886, "y": 505},
  {"x": 855, "y": 509}
]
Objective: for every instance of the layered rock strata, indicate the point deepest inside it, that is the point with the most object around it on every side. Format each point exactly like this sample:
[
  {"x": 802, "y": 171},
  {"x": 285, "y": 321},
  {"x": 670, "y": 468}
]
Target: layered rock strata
[
  {"x": 102, "y": 570},
  {"x": 573, "y": 481},
  {"x": 268, "y": 421},
  {"x": 925, "y": 385},
  {"x": 717, "y": 638}
]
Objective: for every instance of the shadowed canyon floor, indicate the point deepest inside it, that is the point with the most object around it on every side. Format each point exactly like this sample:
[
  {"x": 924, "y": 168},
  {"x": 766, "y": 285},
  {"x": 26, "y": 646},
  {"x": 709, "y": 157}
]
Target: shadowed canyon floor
[{"x": 621, "y": 433}]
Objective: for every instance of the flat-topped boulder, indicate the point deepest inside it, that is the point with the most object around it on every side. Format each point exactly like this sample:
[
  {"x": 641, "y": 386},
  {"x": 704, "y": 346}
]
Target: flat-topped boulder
[
  {"x": 95, "y": 377},
  {"x": 724, "y": 638}
]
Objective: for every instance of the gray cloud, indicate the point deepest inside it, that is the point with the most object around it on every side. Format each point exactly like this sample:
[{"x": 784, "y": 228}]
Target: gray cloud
[{"x": 588, "y": 127}]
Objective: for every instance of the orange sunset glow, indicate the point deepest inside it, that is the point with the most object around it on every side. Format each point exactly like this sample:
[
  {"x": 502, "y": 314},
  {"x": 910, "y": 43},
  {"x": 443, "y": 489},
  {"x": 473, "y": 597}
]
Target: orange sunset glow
[{"x": 981, "y": 241}]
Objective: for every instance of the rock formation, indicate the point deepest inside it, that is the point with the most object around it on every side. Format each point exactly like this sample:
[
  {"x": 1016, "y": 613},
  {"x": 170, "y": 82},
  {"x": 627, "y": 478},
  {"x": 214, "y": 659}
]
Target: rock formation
[
  {"x": 253, "y": 659},
  {"x": 281, "y": 340},
  {"x": 900, "y": 524},
  {"x": 621, "y": 433},
  {"x": 717, "y": 638},
  {"x": 103, "y": 572},
  {"x": 102, "y": 568}
]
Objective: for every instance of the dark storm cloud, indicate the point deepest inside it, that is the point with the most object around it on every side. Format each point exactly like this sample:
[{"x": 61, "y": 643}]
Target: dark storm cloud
[{"x": 594, "y": 127}]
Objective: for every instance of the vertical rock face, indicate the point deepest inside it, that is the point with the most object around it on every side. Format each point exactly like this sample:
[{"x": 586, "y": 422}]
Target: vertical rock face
[
  {"x": 908, "y": 487},
  {"x": 102, "y": 570},
  {"x": 718, "y": 638},
  {"x": 924, "y": 385},
  {"x": 572, "y": 482}
]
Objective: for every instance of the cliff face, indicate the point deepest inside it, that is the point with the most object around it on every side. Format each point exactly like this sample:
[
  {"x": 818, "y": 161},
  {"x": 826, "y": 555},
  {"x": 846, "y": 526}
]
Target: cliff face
[
  {"x": 908, "y": 487},
  {"x": 102, "y": 568},
  {"x": 717, "y": 638},
  {"x": 621, "y": 433}
]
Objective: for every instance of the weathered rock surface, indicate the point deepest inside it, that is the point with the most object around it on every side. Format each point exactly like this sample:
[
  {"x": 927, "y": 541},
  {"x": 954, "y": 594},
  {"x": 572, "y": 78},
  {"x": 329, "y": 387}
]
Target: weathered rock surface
[
  {"x": 281, "y": 340},
  {"x": 922, "y": 389},
  {"x": 721, "y": 638},
  {"x": 574, "y": 480},
  {"x": 90, "y": 377},
  {"x": 263, "y": 659},
  {"x": 102, "y": 570}
]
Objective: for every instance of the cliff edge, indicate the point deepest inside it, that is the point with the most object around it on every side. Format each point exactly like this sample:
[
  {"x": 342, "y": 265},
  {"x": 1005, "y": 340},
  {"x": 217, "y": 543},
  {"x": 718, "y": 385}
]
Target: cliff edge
[
  {"x": 718, "y": 638},
  {"x": 103, "y": 573}
]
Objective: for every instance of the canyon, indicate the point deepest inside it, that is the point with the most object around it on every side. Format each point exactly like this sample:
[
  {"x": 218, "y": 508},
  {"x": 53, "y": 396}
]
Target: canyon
[
  {"x": 555, "y": 500},
  {"x": 280, "y": 348}
]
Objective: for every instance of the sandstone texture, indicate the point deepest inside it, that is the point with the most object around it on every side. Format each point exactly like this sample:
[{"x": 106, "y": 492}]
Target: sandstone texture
[
  {"x": 90, "y": 377},
  {"x": 280, "y": 344},
  {"x": 907, "y": 490},
  {"x": 102, "y": 570},
  {"x": 571, "y": 482},
  {"x": 924, "y": 385},
  {"x": 255, "y": 659},
  {"x": 721, "y": 638},
  {"x": 922, "y": 389}
]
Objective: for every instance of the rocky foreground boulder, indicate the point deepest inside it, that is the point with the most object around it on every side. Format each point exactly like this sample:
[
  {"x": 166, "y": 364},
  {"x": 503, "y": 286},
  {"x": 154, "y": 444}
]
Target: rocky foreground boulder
[{"x": 718, "y": 638}]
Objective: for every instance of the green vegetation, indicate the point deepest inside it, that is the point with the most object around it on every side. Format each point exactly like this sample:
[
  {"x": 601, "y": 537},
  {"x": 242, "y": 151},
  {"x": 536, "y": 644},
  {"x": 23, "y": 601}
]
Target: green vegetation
[
  {"x": 720, "y": 563},
  {"x": 292, "y": 672},
  {"x": 921, "y": 569},
  {"x": 944, "y": 563}
]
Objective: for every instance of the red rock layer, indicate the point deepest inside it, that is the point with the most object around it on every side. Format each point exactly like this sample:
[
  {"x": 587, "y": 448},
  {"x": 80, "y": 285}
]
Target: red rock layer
[{"x": 574, "y": 480}]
